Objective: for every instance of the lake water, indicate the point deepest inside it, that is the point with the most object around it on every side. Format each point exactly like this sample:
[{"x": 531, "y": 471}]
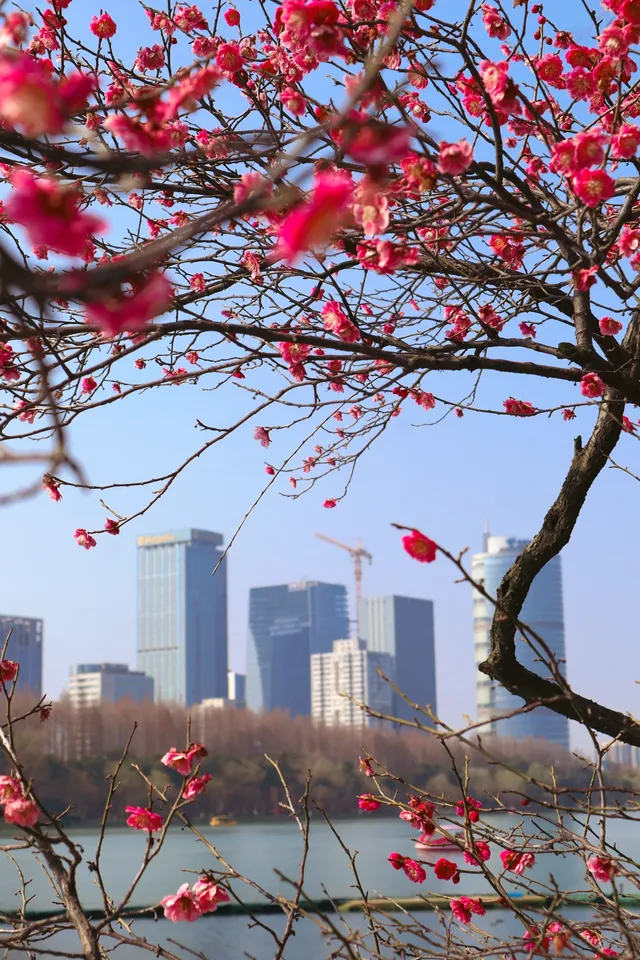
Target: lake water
[{"x": 258, "y": 851}]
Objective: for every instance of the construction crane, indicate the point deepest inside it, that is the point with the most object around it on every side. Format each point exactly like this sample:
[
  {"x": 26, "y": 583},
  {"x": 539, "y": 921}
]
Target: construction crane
[{"x": 357, "y": 553}]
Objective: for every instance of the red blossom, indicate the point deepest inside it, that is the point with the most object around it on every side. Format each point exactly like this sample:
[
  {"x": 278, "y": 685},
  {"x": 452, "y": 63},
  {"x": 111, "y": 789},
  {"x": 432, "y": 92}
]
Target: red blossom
[
  {"x": 8, "y": 671},
  {"x": 420, "y": 547},
  {"x": 368, "y": 802},
  {"x": 446, "y": 870},
  {"x": 464, "y": 907}
]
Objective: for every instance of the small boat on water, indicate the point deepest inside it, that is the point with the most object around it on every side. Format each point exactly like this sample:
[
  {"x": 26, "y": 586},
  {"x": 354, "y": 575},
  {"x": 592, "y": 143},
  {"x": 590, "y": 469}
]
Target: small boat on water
[
  {"x": 447, "y": 840},
  {"x": 223, "y": 820}
]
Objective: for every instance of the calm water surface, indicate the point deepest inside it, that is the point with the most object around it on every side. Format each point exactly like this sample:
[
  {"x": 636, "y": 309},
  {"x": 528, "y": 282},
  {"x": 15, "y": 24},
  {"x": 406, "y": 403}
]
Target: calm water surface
[{"x": 260, "y": 851}]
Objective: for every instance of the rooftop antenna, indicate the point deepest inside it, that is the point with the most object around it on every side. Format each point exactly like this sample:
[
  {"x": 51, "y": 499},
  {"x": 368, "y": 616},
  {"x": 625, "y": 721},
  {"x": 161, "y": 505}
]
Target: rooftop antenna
[
  {"x": 357, "y": 553},
  {"x": 485, "y": 536}
]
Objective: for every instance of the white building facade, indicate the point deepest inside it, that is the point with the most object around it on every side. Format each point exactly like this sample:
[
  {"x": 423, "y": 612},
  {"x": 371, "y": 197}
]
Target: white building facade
[
  {"x": 350, "y": 671},
  {"x": 93, "y": 683}
]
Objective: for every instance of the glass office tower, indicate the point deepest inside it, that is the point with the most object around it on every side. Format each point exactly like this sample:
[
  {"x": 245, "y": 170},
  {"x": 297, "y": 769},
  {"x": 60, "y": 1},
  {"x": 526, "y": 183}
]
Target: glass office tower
[
  {"x": 403, "y": 627},
  {"x": 542, "y": 611},
  {"x": 182, "y": 615},
  {"x": 287, "y": 624},
  {"x": 25, "y": 647}
]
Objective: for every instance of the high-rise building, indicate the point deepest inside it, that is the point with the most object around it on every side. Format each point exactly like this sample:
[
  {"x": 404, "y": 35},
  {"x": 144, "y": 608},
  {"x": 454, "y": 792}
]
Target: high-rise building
[
  {"x": 403, "y": 627},
  {"x": 25, "y": 648},
  {"x": 287, "y": 624},
  {"x": 94, "y": 683},
  {"x": 182, "y": 615},
  {"x": 237, "y": 688},
  {"x": 350, "y": 669},
  {"x": 542, "y": 611}
]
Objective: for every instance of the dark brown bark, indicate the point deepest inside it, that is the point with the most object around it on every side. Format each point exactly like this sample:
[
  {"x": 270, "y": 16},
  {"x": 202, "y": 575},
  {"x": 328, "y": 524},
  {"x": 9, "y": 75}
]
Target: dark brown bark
[{"x": 502, "y": 664}]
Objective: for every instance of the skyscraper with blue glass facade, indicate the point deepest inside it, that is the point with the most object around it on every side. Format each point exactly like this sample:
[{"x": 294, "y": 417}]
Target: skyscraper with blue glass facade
[
  {"x": 182, "y": 615},
  {"x": 403, "y": 627},
  {"x": 25, "y": 647},
  {"x": 543, "y": 612},
  {"x": 287, "y": 624}
]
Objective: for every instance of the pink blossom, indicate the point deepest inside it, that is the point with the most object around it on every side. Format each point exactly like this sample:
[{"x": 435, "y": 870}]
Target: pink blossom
[
  {"x": 294, "y": 101},
  {"x": 568, "y": 414},
  {"x": 517, "y": 862},
  {"x": 336, "y": 321},
  {"x": 378, "y": 144},
  {"x": 560, "y": 939},
  {"x": 420, "y": 547},
  {"x": 625, "y": 143},
  {"x": 141, "y": 818},
  {"x": 181, "y": 906},
  {"x": 519, "y": 408},
  {"x": 493, "y": 22},
  {"x": 179, "y": 761},
  {"x": 396, "y": 860},
  {"x": 414, "y": 871},
  {"x": 368, "y": 802},
  {"x": 609, "y": 327},
  {"x": 455, "y": 158},
  {"x": 150, "y": 58},
  {"x": 28, "y": 97},
  {"x": 602, "y": 868},
  {"x": 480, "y": 851},
  {"x": 586, "y": 278},
  {"x": 8, "y": 671},
  {"x": 24, "y": 812},
  {"x": 10, "y": 789},
  {"x": 311, "y": 27},
  {"x": 52, "y": 487},
  {"x": 84, "y": 539},
  {"x": 112, "y": 526},
  {"x": 196, "y": 786},
  {"x": 563, "y": 157},
  {"x": 89, "y": 384},
  {"x": 528, "y": 329},
  {"x": 366, "y": 768},
  {"x": 313, "y": 223},
  {"x": 198, "y": 283},
  {"x": 591, "y": 385},
  {"x": 262, "y": 434},
  {"x": 190, "y": 18},
  {"x": 50, "y": 213},
  {"x": 232, "y": 17},
  {"x": 533, "y": 941},
  {"x": 330, "y": 503},
  {"x": 470, "y": 807},
  {"x": 593, "y": 186},
  {"x": 103, "y": 26},
  {"x": 463, "y": 908},
  {"x": 209, "y": 895},
  {"x": 131, "y": 311},
  {"x": 590, "y": 150}
]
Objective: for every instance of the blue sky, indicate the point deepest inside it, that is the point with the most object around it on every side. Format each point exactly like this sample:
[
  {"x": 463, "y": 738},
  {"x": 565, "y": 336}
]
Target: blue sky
[{"x": 444, "y": 479}]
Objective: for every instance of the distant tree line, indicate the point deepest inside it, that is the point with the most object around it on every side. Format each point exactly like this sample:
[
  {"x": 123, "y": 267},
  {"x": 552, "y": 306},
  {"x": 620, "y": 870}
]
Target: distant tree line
[{"x": 81, "y": 746}]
